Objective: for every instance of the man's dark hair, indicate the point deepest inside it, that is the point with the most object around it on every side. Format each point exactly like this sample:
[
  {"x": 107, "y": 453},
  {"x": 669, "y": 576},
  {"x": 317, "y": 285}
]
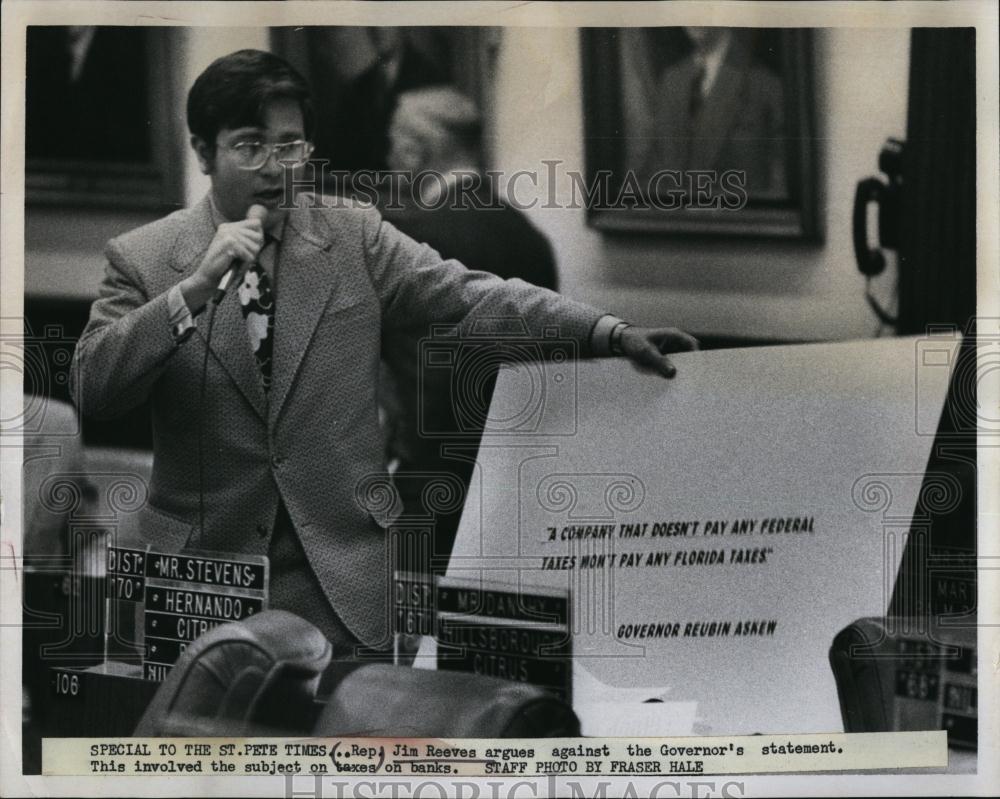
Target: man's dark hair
[{"x": 233, "y": 91}]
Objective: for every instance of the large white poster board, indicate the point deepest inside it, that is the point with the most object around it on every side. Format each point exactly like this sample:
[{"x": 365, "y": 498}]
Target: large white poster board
[{"x": 716, "y": 530}]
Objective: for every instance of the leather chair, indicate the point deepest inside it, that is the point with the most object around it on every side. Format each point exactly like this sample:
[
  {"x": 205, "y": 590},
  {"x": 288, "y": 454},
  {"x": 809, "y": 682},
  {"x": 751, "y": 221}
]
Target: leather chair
[
  {"x": 907, "y": 673},
  {"x": 259, "y": 677},
  {"x": 399, "y": 702}
]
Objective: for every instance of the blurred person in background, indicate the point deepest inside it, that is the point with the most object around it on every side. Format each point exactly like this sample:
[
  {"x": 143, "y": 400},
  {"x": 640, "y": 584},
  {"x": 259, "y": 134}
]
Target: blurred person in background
[{"x": 435, "y": 139}]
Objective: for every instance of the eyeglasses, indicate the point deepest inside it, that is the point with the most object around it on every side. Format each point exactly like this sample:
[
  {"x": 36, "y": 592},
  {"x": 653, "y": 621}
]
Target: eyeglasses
[{"x": 254, "y": 154}]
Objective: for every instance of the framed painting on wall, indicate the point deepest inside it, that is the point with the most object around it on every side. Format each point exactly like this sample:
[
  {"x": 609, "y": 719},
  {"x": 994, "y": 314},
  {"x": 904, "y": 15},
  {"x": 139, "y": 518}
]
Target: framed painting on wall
[
  {"x": 98, "y": 130},
  {"x": 698, "y": 130}
]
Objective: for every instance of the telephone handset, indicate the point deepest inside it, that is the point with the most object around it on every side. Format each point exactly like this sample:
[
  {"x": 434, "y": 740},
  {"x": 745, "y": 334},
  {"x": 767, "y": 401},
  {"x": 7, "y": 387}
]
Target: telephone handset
[{"x": 887, "y": 195}]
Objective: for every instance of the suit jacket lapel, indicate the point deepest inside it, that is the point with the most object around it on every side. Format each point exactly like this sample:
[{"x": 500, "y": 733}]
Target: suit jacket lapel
[
  {"x": 230, "y": 344},
  {"x": 305, "y": 283}
]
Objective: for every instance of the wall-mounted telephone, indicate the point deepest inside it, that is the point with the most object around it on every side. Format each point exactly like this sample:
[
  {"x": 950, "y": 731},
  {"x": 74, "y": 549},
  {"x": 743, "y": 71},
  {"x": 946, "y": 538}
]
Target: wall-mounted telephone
[
  {"x": 887, "y": 195},
  {"x": 890, "y": 677}
]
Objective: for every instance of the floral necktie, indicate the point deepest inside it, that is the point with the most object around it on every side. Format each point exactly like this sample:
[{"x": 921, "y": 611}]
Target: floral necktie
[{"x": 257, "y": 303}]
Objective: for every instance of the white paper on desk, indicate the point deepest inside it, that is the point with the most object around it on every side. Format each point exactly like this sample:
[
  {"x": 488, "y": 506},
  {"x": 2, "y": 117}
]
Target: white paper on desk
[
  {"x": 587, "y": 688},
  {"x": 643, "y": 720},
  {"x": 607, "y": 711},
  {"x": 836, "y": 433}
]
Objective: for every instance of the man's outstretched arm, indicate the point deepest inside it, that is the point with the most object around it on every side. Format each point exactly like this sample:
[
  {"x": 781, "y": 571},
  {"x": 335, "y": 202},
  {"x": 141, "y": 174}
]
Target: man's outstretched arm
[{"x": 418, "y": 288}]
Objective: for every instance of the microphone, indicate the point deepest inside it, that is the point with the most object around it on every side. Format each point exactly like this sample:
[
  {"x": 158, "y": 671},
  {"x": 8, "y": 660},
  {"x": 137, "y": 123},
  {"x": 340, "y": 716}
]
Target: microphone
[{"x": 253, "y": 212}]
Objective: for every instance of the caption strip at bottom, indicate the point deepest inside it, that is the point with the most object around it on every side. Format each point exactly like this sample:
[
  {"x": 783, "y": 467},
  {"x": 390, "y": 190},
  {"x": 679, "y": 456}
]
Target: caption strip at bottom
[{"x": 751, "y": 754}]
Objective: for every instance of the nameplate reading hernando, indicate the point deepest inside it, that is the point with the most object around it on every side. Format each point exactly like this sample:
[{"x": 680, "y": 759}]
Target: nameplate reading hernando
[{"x": 185, "y": 595}]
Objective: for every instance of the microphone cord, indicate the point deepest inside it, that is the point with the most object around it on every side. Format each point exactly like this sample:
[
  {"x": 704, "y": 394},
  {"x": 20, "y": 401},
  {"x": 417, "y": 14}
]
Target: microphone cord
[
  {"x": 254, "y": 212},
  {"x": 201, "y": 422}
]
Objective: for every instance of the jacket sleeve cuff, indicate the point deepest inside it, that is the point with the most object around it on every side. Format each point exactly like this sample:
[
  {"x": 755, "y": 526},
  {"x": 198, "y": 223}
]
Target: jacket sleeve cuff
[
  {"x": 600, "y": 336},
  {"x": 182, "y": 323}
]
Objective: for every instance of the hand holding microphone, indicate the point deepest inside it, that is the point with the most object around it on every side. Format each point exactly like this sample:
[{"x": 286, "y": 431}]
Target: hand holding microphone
[
  {"x": 246, "y": 252},
  {"x": 235, "y": 244}
]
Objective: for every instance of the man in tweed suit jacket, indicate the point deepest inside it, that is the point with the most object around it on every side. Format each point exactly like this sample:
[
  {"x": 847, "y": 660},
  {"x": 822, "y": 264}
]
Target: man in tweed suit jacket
[{"x": 283, "y": 463}]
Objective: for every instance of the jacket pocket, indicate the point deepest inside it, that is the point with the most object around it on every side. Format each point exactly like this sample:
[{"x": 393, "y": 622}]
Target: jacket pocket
[{"x": 162, "y": 531}]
